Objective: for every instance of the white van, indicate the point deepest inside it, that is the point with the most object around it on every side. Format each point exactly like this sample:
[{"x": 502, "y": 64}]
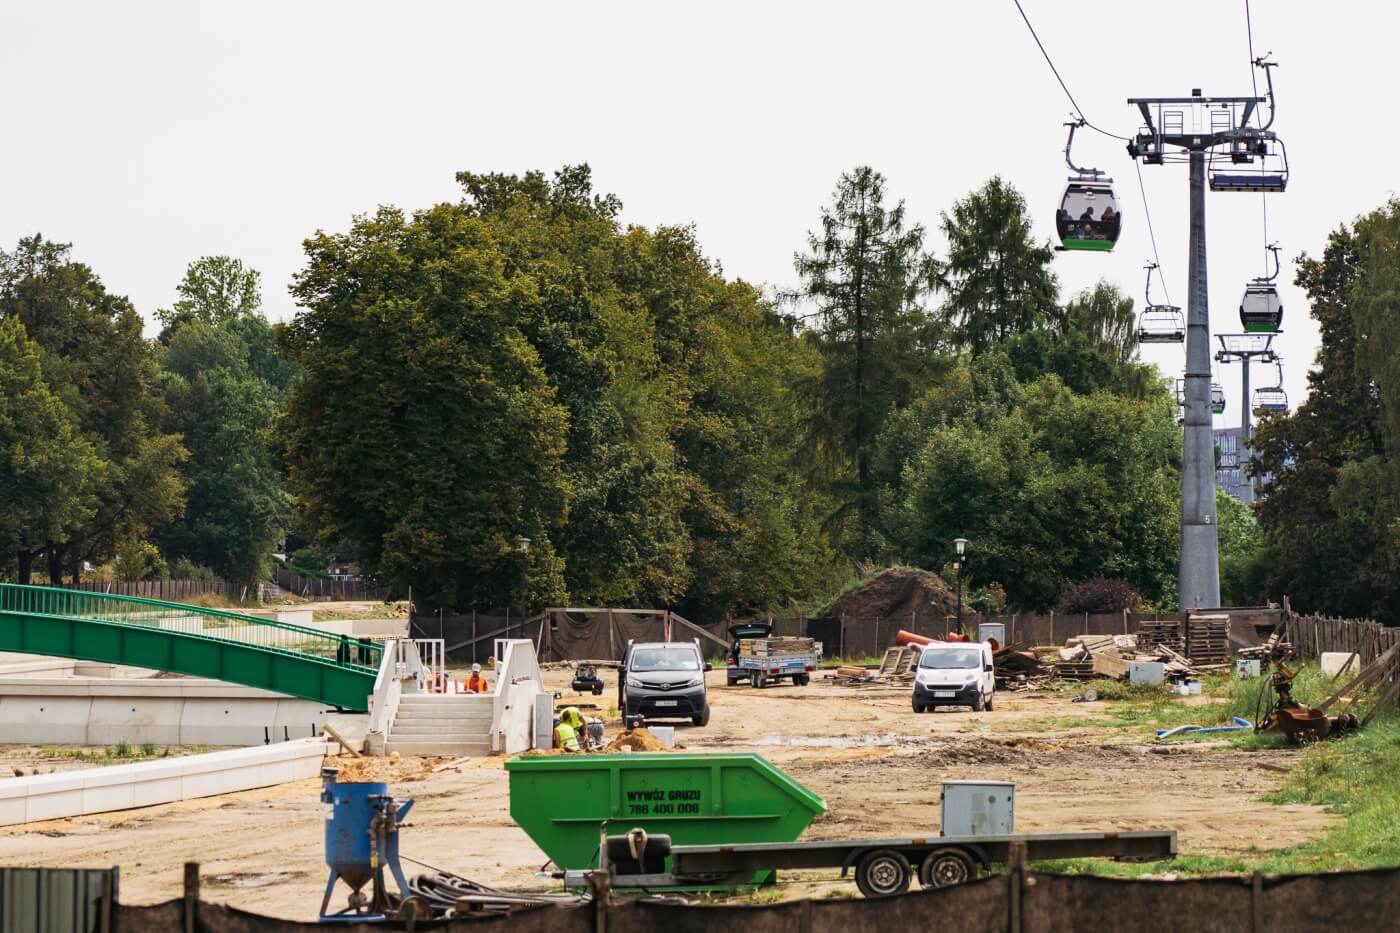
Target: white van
[{"x": 954, "y": 673}]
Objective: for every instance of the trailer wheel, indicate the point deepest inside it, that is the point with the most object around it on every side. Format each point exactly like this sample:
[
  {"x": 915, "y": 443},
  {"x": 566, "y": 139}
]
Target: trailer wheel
[
  {"x": 944, "y": 868},
  {"x": 883, "y": 873},
  {"x": 757, "y": 679},
  {"x": 802, "y": 680}
]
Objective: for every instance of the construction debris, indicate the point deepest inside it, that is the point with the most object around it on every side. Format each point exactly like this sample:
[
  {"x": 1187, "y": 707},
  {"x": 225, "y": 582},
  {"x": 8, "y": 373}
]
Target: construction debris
[
  {"x": 1019, "y": 669},
  {"x": 1087, "y": 656}
]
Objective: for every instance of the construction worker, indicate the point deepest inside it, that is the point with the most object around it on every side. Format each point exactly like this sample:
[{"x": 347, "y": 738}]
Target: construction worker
[
  {"x": 476, "y": 683},
  {"x": 565, "y": 736}
]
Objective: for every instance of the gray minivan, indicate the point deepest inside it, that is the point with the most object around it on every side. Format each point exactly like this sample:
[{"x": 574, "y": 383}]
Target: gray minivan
[{"x": 663, "y": 680}]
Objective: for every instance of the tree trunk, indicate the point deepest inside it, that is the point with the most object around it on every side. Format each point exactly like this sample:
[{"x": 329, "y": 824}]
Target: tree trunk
[
  {"x": 75, "y": 565},
  {"x": 26, "y": 565},
  {"x": 55, "y": 564}
]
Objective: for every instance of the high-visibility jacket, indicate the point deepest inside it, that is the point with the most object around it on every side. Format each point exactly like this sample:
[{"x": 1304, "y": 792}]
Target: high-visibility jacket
[
  {"x": 565, "y": 737},
  {"x": 477, "y": 684}
]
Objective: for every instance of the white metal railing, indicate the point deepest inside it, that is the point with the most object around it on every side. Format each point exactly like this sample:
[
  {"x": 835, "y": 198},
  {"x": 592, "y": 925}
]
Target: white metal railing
[
  {"x": 431, "y": 657},
  {"x": 518, "y": 680}
]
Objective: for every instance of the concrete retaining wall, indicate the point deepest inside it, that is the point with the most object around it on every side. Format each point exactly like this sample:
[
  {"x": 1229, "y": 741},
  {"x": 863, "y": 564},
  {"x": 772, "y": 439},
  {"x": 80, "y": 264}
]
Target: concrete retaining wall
[
  {"x": 121, "y": 787},
  {"x": 164, "y": 711}
]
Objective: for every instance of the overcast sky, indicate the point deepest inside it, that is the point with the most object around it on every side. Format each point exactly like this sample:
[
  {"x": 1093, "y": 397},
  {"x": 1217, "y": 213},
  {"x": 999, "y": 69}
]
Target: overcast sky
[{"x": 148, "y": 134}]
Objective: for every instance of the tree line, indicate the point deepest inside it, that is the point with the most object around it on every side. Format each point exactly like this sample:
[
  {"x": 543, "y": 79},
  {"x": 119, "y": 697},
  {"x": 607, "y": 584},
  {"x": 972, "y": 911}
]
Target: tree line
[{"x": 515, "y": 399}]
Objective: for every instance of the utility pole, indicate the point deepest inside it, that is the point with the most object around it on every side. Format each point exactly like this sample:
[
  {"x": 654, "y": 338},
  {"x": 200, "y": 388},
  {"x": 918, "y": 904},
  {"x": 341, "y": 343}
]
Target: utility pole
[
  {"x": 1245, "y": 349},
  {"x": 1195, "y": 127}
]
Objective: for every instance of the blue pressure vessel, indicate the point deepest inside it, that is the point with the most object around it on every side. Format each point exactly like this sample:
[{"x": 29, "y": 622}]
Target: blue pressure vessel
[{"x": 349, "y": 846}]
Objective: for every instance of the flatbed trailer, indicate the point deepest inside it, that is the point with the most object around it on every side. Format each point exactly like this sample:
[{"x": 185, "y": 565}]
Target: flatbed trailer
[
  {"x": 797, "y": 666},
  {"x": 882, "y": 867}
]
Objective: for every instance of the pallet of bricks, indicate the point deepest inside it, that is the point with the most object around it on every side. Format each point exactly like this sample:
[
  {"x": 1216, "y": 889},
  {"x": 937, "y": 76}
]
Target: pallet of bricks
[
  {"x": 1208, "y": 639},
  {"x": 773, "y": 647}
]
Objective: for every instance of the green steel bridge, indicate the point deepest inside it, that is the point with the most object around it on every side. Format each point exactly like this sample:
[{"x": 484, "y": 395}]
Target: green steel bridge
[{"x": 289, "y": 659}]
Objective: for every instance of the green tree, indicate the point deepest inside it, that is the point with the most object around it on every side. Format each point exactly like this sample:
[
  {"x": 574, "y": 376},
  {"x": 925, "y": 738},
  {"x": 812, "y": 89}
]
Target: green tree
[
  {"x": 997, "y": 278},
  {"x": 224, "y": 386},
  {"x": 866, "y": 276},
  {"x": 1241, "y": 545},
  {"x": 49, "y": 472},
  {"x": 1050, "y": 488},
  {"x": 95, "y": 359},
  {"x": 1104, "y": 315},
  {"x": 215, "y": 290},
  {"x": 1327, "y": 539},
  {"x": 423, "y": 426}
]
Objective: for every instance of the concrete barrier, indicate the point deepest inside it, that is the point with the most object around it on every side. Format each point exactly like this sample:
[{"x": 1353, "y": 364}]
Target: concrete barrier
[
  {"x": 163, "y": 711},
  {"x": 144, "y": 784}
]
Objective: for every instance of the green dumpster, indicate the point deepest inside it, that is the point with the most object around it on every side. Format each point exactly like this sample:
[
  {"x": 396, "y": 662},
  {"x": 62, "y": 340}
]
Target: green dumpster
[{"x": 563, "y": 801}]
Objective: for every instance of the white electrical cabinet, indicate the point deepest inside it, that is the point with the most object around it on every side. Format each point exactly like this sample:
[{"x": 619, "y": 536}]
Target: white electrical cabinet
[{"x": 978, "y": 808}]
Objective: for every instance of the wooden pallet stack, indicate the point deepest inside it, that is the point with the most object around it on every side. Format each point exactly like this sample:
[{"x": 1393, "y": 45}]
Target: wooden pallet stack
[
  {"x": 1154, "y": 632},
  {"x": 1074, "y": 670},
  {"x": 773, "y": 647},
  {"x": 1208, "y": 639}
]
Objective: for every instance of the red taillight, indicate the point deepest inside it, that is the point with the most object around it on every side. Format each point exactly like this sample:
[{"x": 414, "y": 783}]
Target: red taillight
[
  {"x": 773, "y": 671},
  {"x": 810, "y": 667}
]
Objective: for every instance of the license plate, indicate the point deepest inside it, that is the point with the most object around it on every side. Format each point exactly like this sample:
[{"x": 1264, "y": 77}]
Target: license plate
[
  {"x": 675, "y": 702},
  {"x": 945, "y": 694}
]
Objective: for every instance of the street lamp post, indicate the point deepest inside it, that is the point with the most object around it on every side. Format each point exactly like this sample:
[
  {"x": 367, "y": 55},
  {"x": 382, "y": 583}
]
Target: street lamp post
[
  {"x": 960, "y": 555},
  {"x": 522, "y": 544}
]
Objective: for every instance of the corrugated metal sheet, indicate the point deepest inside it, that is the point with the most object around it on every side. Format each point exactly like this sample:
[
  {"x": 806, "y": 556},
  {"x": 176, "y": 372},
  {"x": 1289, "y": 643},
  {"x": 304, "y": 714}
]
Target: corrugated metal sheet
[{"x": 57, "y": 900}]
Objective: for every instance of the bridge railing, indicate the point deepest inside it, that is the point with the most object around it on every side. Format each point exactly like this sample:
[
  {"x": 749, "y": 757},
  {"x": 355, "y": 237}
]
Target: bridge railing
[{"x": 191, "y": 620}]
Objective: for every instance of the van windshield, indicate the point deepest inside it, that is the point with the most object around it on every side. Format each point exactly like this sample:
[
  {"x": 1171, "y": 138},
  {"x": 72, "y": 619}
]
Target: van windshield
[
  {"x": 950, "y": 657},
  {"x": 665, "y": 659}
]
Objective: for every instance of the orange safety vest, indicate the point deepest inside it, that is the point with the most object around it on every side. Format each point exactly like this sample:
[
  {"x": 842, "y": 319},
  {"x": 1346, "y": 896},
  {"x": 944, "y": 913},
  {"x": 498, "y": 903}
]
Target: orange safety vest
[{"x": 477, "y": 684}]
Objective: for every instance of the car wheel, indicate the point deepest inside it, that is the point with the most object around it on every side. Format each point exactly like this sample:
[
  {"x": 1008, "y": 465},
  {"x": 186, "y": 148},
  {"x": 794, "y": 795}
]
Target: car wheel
[
  {"x": 704, "y": 718},
  {"x": 988, "y": 704},
  {"x": 919, "y": 707},
  {"x": 883, "y": 873},
  {"x": 977, "y": 703}
]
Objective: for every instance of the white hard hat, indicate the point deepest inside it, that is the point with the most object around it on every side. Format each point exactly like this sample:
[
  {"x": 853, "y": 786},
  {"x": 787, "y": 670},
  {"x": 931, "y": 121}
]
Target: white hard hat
[{"x": 476, "y": 668}]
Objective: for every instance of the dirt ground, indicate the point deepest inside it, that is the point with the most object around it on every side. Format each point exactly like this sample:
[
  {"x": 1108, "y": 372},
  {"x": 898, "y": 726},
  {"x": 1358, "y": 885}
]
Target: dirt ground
[{"x": 876, "y": 763}]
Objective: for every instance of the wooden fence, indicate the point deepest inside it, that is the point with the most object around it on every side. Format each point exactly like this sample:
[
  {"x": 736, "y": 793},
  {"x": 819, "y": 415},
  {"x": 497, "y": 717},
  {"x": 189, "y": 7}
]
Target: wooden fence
[
  {"x": 169, "y": 590},
  {"x": 1310, "y": 636}
]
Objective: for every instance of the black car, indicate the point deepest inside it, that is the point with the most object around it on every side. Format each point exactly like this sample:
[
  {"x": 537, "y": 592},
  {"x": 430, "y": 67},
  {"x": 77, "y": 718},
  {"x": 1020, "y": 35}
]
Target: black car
[
  {"x": 737, "y": 633},
  {"x": 663, "y": 680}
]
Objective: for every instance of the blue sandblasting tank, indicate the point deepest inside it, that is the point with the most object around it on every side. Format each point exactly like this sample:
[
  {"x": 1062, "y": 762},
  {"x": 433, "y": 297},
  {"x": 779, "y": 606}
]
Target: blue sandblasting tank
[
  {"x": 349, "y": 809},
  {"x": 362, "y": 839}
]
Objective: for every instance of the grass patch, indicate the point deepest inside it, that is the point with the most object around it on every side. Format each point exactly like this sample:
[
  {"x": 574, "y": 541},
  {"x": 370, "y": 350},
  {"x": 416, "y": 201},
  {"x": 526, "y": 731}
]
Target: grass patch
[
  {"x": 121, "y": 753},
  {"x": 1354, "y": 776}
]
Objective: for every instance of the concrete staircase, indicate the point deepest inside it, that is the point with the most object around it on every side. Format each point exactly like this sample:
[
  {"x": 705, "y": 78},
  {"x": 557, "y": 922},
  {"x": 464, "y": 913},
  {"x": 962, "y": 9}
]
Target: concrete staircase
[{"x": 451, "y": 725}]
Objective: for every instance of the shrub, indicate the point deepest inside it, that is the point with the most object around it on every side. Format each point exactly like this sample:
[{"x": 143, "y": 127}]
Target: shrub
[{"x": 1099, "y": 594}]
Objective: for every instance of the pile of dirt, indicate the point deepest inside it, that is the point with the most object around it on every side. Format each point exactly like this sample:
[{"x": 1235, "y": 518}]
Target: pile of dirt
[
  {"x": 385, "y": 770},
  {"x": 639, "y": 740},
  {"x": 899, "y": 592}
]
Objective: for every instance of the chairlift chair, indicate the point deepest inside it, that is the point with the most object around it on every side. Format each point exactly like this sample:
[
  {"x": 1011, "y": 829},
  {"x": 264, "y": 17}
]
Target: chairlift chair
[
  {"x": 1271, "y": 176},
  {"x": 1261, "y": 310},
  {"x": 1271, "y": 399},
  {"x": 1248, "y": 144},
  {"x": 1090, "y": 217},
  {"x": 1159, "y": 323}
]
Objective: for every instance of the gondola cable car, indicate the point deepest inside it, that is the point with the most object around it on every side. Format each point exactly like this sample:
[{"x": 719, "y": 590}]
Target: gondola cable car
[
  {"x": 1261, "y": 310},
  {"x": 1089, "y": 217},
  {"x": 1159, "y": 323},
  {"x": 1217, "y": 399}
]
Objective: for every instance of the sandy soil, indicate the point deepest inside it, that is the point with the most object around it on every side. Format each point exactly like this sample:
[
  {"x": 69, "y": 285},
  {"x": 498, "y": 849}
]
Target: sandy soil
[{"x": 877, "y": 765}]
